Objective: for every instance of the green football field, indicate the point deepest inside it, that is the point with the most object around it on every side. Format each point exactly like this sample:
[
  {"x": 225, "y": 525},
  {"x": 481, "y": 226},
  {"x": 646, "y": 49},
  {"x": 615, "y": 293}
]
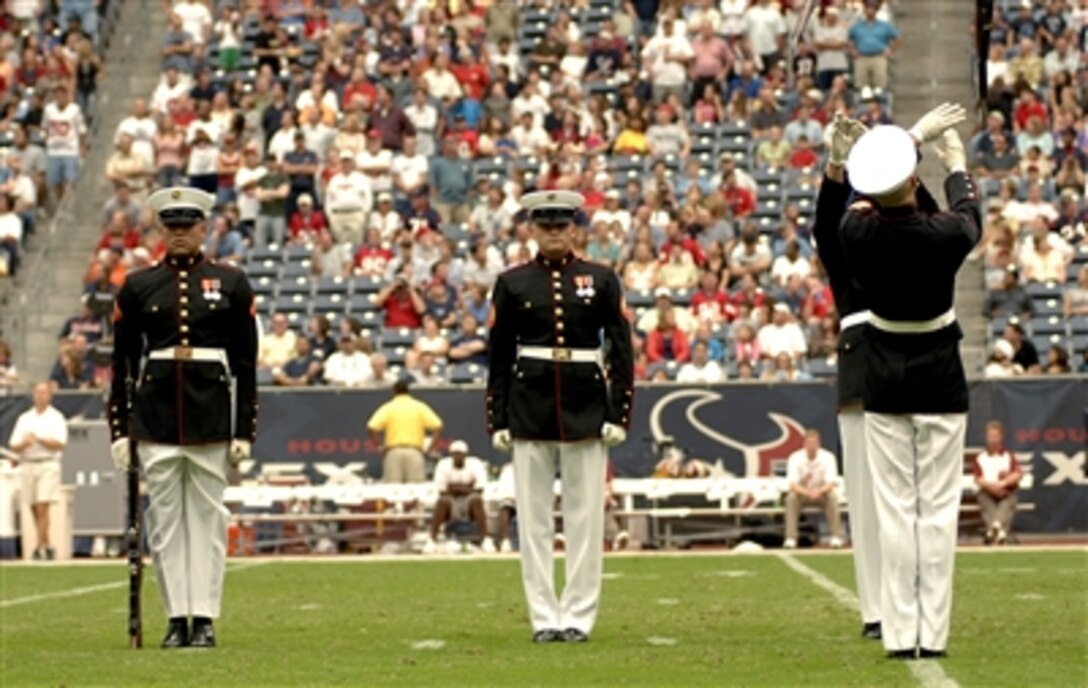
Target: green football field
[{"x": 1020, "y": 619}]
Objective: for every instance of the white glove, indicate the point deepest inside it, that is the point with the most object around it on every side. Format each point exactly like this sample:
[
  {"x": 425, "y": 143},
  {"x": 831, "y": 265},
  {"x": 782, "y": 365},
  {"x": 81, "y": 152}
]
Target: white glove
[
  {"x": 501, "y": 441},
  {"x": 933, "y": 123},
  {"x": 612, "y": 435},
  {"x": 239, "y": 449},
  {"x": 950, "y": 150},
  {"x": 840, "y": 136},
  {"x": 121, "y": 454}
]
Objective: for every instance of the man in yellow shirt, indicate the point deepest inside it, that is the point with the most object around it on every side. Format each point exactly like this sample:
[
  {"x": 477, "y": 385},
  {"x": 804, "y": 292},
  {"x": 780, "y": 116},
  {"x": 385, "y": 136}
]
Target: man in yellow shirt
[{"x": 405, "y": 422}]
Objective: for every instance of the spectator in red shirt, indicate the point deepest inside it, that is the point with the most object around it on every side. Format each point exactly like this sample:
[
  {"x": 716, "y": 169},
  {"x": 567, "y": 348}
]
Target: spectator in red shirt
[
  {"x": 802, "y": 155},
  {"x": 468, "y": 140},
  {"x": 402, "y": 302},
  {"x": 676, "y": 239},
  {"x": 710, "y": 304},
  {"x": 358, "y": 87},
  {"x": 119, "y": 234},
  {"x": 667, "y": 342},
  {"x": 741, "y": 200},
  {"x": 1029, "y": 107},
  {"x": 819, "y": 302},
  {"x": 306, "y": 223},
  {"x": 472, "y": 75},
  {"x": 372, "y": 258}
]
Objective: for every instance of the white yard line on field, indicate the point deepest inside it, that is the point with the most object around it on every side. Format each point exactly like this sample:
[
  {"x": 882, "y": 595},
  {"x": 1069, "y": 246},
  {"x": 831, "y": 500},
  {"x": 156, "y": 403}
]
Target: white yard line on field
[
  {"x": 77, "y": 592},
  {"x": 927, "y": 672}
]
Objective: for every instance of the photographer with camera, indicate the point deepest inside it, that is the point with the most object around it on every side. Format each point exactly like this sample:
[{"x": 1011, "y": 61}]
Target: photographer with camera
[{"x": 402, "y": 301}]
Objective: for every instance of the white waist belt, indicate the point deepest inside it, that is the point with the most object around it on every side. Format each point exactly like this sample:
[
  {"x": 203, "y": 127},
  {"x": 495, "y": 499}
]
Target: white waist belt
[
  {"x": 199, "y": 354},
  {"x": 914, "y": 326},
  {"x": 854, "y": 319},
  {"x": 559, "y": 355}
]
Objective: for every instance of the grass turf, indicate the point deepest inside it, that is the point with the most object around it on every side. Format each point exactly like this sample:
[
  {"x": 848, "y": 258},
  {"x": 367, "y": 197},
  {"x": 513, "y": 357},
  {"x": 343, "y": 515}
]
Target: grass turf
[{"x": 1019, "y": 620}]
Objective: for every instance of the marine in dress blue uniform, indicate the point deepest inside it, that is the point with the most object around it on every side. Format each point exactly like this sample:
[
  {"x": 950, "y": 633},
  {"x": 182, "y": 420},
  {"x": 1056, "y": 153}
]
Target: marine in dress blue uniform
[
  {"x": 559, "y": 392},
  {"x": 185, "y": 388}
]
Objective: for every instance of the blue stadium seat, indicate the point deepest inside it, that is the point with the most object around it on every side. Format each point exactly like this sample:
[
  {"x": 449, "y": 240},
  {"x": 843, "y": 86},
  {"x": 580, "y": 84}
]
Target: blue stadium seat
[
  {"x": 1047, "y": 326},
  {"x": 1072, "y": 271},
  {"x": 271, "y": 252},
  {"x": 367, "y": 285},
  {"x": 1078, "y": 324},
  {"x": 296, "y": 285},
  {"x": 822, "y": 368},
  {"x": 371, "y": 321},
  {"x": 626, "y": 163},
  {"x": 1046, "y": 307},
  {"x": 263, "y": 303},
  {"x": 1043, "y": 344},
  {"x": 330, "y": 303},
  {"x": 264, "y": 377},
  {"x": 467, "y": 373},
  {"x": 264, "y": 268},
  {"x": 292, "y": 303},
  {"x": 640, "y": 299},
  {"x": 264, "y": 285},
  {"x": 332, "y": 285},
  {"x": 300, "y": 268},
  {"x": 682, "y": 297},
  {"x": 361, "y": 302},
  {"x": 401, "y": 336},
  {"x": 394, "y": 355},
  {"x": 1079, "y": 344},
  {"x": 1043, "y": 289}
]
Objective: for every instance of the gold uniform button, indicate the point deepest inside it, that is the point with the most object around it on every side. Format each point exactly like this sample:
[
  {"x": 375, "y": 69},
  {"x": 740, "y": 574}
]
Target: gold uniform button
[
  {"x": 185, "y": 341},
  {"x": 560, "y": 341},
  {"x": 184, "y": 313},
  {"x": 559, "y": 326},
  {"x": 184, "y": 328},
  {"x": 183, "y": 286},
  {"x": 558, "y": 311},
  {"x": 183, "y": 274},
  {"x": 556, "y": 274},
  {"x": 184, "y": 299}
]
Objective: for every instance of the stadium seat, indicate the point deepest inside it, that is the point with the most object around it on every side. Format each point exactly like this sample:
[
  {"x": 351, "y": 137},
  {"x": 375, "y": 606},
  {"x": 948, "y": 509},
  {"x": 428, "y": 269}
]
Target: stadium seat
[
  {"x": 292, "y": 303},
  {"x": 1047, "y": 326},
  {"x": 367, "y": 285},
  {"x": 298, "y": 252},
  {"x": 361, "y": 302},
  {"x": 822, "y": 368},
  {"x": 466, "y": 373},
  {"x": 271, "y": 252},
  {"x": 264, "y": 285},
  {"x": 296, "y": 285},
  {"x": 264, "y": 377},
  {"x": 1043, "y": 343},
  {"x": 394, "y": 355},
  {"x": 1079, "y": 344},
  {"x": 640, "y": 299},
  {"x": 394, "y": 337},
  {"x": 1048, "y": 290},
  {"x": 330, "y": 303},
  {"x": 264, "y": 268},
  {"x": 682, "y": 297},
  {"x": 295, "y": 269},
  {"x": 1047, "y": 307},
  {"x": 332, "y": 285},
  {"x": 263, "y": 303},
  {"x": 1078, "y": 324}
]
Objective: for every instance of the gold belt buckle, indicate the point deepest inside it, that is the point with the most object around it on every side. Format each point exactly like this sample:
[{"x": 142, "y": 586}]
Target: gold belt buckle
[
  {"x": 183, "y": 353},
  {"x": 561, "y": 355}
]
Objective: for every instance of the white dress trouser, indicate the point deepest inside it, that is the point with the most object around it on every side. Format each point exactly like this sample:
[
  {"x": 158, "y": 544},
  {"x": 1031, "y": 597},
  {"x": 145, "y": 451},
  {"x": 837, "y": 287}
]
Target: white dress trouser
[
  {"x": 582, "y": 467},
  {"x": 917, "y": 461},
  {"x": 187, "y": 524},
  {"x": 864, "y": 526}
]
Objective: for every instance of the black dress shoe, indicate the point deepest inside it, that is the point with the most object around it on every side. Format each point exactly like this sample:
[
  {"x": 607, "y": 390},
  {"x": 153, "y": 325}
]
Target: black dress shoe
[
  {"x": 548, "y": 635},
  {"x": 872, "y": 631},
  {"x": 903, "y": 654},
  {"x": 177, "y": 633},
  {"x": 923, "y": 653},
  {"x": 203, "y": 633},
  {"x": 573, "y": 635}
]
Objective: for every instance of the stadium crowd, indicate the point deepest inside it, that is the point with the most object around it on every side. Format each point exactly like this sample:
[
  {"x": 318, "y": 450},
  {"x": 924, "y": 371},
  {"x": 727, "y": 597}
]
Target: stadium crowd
[
  {"x": 50, "y": 67},
  {"x": 368, "y": 159}
]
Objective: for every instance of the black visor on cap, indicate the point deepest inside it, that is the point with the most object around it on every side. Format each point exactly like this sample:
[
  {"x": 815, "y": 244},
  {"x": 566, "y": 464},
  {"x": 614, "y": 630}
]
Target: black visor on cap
[
  {"x": 553, "y": 216},
  {"x": 180, "y": 217}
]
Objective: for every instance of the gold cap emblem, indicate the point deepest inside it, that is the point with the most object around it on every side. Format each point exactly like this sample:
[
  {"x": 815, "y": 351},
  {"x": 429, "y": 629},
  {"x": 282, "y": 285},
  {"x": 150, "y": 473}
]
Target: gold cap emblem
[{"x": 176, "y": 195}]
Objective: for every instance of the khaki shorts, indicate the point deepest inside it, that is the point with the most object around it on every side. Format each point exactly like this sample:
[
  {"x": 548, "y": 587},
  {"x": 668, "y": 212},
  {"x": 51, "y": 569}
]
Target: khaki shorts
[
  {"x": 41, "y": 482},
  {"x": 403, "y": 465},
  {"x": 461, "y": 506}
]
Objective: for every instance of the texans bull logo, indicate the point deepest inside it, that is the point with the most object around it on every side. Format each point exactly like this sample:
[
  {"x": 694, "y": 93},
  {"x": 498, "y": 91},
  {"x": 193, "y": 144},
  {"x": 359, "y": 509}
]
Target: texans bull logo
[{"x": 757, "y": 458}]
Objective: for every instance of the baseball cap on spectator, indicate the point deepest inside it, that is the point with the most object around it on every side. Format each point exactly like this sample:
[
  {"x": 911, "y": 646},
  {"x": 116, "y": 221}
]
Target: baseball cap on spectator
[
  {"x": 458, "y": 447},
  {"x": 781, "y": 308},
  {"x": 662, "y": 293},
  {"x": 346, "y": 154},
  {"x": 815, "y": 94},
  {"x": 612, "y": 194},
  {"x": 305, "y": 199},
  {"x": 385, "y": 196}
]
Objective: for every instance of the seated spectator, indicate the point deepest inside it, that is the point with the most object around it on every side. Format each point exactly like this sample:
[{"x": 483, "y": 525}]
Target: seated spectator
[
  {"x": 1035, "y": 135},
  {"x": 307, "y": 222},
  {"x": 71, "y": 372},
  {"x": 450, "y": 182},
  {"x": 1045, "y": 258},
  {"x": 1070, "y": 175},
  {"x": 427, "y": 371},
  {"x": 663, "y": 305},
  {"x": 380, "y": 376},
  {"x": 782, "y": 335},
  {"x": 679, "y": 271},
  {"x": 440, "y": 302},
  {"x": 460, "y": 480},
  {"x": 667, "y": 135},
  {"x": 710, "y": 304},
  {"x": 491, "y": 217},
  {"x": 86, "y": 322},
  {"x": 803, "y": 126},
  {"x": 1000, "y": 363},
  {"x": 11, "y": 236},
  {"x": 1010, "y": 299},
  {"x": 774, "y": 151},
  {"x": 278, "y": 346},
  {"x": 402, "y": 301},
  {"x": 783, "y": 369},
  {"x": 224, "y": 242},
  {"x": 1033, "y": 163},
  {"x": 1075, "y": 299},
  {"x": 641, "y": 272},
  {"x": 811, "y": 473},
  {"x": 331, "y": 258},
  {"x": 322, "y": 344},
  {"x": 1057, "y": 361},
  {"x": 468, "y": 346},
  {"x": 430, "y": 340},
  {"x": 1027, "y": 211},
  {"x": 700, "y": 368},
  {"x": 484, "y": 264},
  {"x": 747, "y": 370},
  {"x": 789, "y": 265},
  {"x": 349, "y": 366},
  {"x": 373, "y": 258},
  {"x": 803, "y": 156},
  {"x": 303, "y": 370},
  {"x": 667, "y": 342},
  {"x": 751, "y": 256},
  {"x": 121, "y": 202},
  {"x": 632, "y": 139},
  {"x": 1000, "y": 162},
  {"x": 119, "y": 234},
  {"x": 1024, "y": 352},
  {"x": 603, "y": 247},
  {"x": 997, "y": 475},
  {"x": 9, "y": 375}
]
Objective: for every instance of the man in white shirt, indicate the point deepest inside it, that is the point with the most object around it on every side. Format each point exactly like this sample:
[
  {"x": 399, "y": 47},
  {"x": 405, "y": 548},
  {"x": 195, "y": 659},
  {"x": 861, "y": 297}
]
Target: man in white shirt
[
  {"x": 812, "y": 472},
  {"x": 766, "y": 29},
  {"x": 278, "y": 346},
  {"x": 528, "y": 136},
  {"x": 39, "y": 438},
  {"x": 196, "y": 19},
  {"x": 380, "y": 376},
  {"x": 172, "y": 87},
  {"x": 384, "y": 218},
  {"x": 65, "y": 141},
  {"x": 440, "y": 81},
  {"x": 782, "y": 335},
  {"x": 668, "y": 55},
  {"x": 376, "y": 162},
  {"x": 348, "y": 201},
  {"x": 410, "y": 168},
  {"x": 424, "y": 117},
  {"x": 612, "y": 212},
  {"x": 997, "y": 476},
  {"x": 460, "y": 479},
  {"x": 700, "y": 369},
  {"x": 141, "y": 126},
  {"x": 347, "y": 367}
]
